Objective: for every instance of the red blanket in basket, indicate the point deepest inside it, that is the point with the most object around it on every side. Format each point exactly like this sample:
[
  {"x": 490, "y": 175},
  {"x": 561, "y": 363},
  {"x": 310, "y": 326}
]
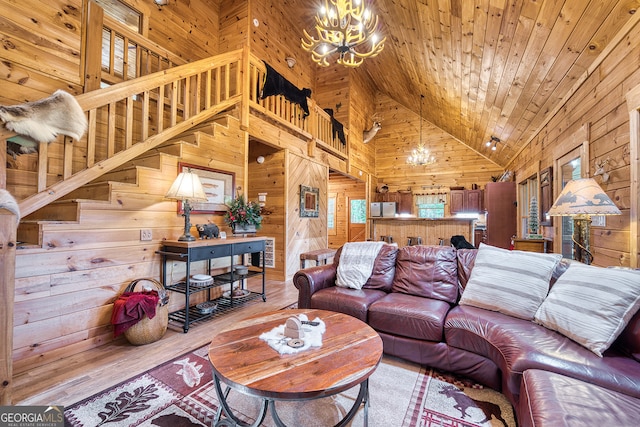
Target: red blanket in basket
[{"x": 130, "y": 308}]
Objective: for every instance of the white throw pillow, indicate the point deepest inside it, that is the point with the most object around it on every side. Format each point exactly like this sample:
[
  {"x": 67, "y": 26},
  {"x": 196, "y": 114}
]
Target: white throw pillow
[
  {"x": 591, "y": 305},
  {"x": 510, "y": 282}
]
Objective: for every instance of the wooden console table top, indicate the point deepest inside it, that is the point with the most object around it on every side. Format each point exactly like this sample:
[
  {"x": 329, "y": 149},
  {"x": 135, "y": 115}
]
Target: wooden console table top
[{"x": 212, "y": 242}]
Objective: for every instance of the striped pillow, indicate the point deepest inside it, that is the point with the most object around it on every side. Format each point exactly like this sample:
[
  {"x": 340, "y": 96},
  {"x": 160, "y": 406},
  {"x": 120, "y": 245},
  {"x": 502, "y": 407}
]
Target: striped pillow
[
  {"x": 591, "y": 305},
  {"x": 510, "y": 282}
]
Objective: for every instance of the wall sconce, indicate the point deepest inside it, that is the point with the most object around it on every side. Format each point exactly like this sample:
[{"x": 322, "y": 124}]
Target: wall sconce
[
  {"x": 494, "y": 140},
  {"x": 260, "y": 160},
  {"x": 290, "y": 61},
  {"x": 161, "y": 2},
  {"x": 600, "y": 170}
]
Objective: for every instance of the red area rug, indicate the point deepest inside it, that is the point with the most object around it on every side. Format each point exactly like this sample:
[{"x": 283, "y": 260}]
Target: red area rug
[{"x": 181, "y": 393}]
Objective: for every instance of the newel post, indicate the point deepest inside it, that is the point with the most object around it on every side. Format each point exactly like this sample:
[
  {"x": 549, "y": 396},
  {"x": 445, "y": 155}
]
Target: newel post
[{"x": 8, "y": 226}]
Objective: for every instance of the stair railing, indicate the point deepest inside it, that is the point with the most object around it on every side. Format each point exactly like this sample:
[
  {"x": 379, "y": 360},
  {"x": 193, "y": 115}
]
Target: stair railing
[{"x": 132, "y": 117}]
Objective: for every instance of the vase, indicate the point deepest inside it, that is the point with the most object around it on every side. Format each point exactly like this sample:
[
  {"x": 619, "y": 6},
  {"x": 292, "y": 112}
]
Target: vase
[{"x": 243, "y": 228}]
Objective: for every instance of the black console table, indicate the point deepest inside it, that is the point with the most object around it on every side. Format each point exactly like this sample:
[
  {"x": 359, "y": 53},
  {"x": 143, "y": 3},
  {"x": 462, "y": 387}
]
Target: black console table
[{"x": 206, "y": 250}]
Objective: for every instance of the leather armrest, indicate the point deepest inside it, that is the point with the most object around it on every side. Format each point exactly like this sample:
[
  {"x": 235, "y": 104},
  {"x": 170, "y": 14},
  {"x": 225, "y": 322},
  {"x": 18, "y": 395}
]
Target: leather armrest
[{"x": 311, "y": 280}]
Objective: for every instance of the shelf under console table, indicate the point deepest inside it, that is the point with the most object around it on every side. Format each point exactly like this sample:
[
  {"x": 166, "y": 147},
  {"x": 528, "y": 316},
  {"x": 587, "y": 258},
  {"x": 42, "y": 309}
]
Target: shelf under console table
[{"x": 206, "y": 250}]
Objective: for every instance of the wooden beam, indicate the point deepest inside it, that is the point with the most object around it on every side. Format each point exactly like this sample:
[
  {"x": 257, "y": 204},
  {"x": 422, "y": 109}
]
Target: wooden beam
[
  {"x": 8, "y": 226},
  {"x": 633, "y": 105}
]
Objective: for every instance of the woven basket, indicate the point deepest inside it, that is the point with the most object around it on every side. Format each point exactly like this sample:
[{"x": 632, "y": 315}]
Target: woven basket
[{"x": 148, "y": 330}]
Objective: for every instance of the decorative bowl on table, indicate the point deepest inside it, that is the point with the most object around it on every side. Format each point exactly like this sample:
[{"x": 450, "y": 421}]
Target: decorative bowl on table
[
  {"x": 207, "y": 307},
  {"x": 241, "y": 270},
  {"x": 236, "y": 293},
  {"x": 200, "y": 280}
]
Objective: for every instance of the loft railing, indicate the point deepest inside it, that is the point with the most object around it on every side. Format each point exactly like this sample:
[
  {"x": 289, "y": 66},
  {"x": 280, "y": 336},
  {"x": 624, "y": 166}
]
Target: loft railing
[{"x": 317, "y": 126}]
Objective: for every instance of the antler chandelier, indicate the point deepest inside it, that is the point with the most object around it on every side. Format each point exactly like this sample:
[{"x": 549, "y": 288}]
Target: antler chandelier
[
  {"x": 420, "y": 155},
  {"x": 345, "y": 27}
]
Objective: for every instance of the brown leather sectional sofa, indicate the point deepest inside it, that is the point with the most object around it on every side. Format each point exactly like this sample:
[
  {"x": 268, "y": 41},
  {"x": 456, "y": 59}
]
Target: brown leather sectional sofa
[{"x": 411, "y": 300}]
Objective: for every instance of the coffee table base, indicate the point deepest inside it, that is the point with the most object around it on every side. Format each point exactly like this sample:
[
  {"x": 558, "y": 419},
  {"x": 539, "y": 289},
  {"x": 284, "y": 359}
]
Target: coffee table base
[{"x": 269, "y": 404}]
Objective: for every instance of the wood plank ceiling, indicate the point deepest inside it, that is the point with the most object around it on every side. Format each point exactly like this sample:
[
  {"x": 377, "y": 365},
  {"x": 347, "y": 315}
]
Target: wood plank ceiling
[{"x": 487, "y": 67}]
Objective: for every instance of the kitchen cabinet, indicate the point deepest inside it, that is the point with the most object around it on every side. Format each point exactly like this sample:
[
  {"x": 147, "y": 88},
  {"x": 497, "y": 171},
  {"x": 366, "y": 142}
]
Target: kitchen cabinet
[
  {"x": 531, "y": 245},
  {"x": 403, "y": 200},
  {"x": 501, "y": 207},
  {"x": 466, "y": 201}
]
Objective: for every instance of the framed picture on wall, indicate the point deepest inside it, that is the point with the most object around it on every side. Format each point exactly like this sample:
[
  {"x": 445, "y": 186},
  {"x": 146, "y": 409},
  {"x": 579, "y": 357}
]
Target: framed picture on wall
[
  {"x": 218, "y": 185},
  {"x": 309, "y": 202}
]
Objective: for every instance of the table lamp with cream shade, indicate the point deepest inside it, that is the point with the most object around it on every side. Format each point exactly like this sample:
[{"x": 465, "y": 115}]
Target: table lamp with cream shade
[
  {"x": 187, "y": 188},
  {"x": 580, "y": 199}
]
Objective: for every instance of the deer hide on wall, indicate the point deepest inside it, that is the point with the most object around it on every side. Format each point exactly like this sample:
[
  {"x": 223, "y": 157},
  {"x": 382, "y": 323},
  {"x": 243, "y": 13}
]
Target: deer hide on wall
[
  {"x": 44, "y": 119},
  {"x": 9, "y": 203}
]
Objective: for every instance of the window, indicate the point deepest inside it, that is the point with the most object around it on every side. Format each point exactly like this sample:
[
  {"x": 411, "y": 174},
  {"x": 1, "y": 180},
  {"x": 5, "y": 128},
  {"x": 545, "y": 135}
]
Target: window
[
  {"x": 527, "y": 190},
  {"x": 569, "y": 170},
  {"x": 122, "y": 13},
  {"x": 569, "y": 166},
  {"x": 331, "y": 214},
  {"x": 130, "y": 18},
  {"x": 358, "y": 211},
  {"x": 430, "y": 205}
]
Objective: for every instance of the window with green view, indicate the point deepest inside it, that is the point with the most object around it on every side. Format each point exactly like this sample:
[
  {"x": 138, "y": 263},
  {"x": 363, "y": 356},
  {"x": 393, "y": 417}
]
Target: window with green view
[{"x": 358, "y": 211}]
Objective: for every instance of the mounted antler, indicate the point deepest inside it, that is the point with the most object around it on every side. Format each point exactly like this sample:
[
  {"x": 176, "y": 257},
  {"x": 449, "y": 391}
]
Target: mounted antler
[
  {"x": 600, "y": 164},
  {"x": 368, "y": 135}
]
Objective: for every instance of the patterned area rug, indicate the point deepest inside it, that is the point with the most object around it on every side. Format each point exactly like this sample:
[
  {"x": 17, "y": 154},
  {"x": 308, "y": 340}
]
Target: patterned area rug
[{"x": 181, "y": 393}]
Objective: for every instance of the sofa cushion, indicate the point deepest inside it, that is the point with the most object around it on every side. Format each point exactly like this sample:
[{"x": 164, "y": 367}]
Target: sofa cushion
[
  {"x": 384, "y": 268},
  {"x": 354, "y": 302},
  {"x": 629, "y": 340},
  {"x": 466, "y": 259},
  {"x": 516, "y": 345},
  {"x": 409, "y": 316},
  {"x": 427, "y": 271},
  {"x": 591, "y": 305},
  {"x": 511, "y": 282},
  {"x": 551, "y": 400}
]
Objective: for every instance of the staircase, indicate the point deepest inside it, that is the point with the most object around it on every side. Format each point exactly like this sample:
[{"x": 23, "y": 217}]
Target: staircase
[{"x": 136, "y": 127}]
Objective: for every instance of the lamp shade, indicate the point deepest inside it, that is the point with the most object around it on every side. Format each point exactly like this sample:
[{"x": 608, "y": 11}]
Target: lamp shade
[
  {"x": 583, "y": 197},
  {"x": 187, "y": 186}
]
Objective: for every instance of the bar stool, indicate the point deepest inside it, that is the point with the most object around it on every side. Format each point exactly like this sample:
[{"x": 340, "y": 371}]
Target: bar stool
[
  {"x": 387, "y": 239},
  {"x": 414, "y": 241}
]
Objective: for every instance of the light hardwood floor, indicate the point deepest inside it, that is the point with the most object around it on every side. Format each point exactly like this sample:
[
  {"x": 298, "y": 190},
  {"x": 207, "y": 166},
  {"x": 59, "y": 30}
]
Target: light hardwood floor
[{"x": 69, "y": 380}]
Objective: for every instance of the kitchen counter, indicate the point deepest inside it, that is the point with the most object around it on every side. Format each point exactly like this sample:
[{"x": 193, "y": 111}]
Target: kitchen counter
[{"x": 431, "y": 230}]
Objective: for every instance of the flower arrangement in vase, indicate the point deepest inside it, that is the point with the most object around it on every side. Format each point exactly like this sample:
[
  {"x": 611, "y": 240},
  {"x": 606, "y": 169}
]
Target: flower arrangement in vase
[{"x": 243, "y": 216}]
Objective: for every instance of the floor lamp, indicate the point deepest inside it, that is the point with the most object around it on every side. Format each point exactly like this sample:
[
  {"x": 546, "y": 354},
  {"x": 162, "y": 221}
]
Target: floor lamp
[
  {"x": 187, "y": 188},
  {"x": 580, "y": 199}
]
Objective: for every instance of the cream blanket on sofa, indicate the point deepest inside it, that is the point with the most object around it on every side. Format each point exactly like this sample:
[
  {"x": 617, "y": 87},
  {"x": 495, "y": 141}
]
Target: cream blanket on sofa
[{"x": 356, "y": 263}]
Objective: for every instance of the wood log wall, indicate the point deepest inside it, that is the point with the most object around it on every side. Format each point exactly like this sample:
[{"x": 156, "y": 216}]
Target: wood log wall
[
  {"x": 456, "y": 164},
  {"x": 270, "y": 178},
  {"x": 598, "y": 103},
  {"x": 304, "y": 234},
  {"x": 8, "y": 223},
  {"x": 275, "y": 38}
]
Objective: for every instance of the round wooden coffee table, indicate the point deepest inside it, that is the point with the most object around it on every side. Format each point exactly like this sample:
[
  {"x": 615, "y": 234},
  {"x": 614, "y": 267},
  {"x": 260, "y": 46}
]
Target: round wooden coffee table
[{"x": 351, "y": 351}]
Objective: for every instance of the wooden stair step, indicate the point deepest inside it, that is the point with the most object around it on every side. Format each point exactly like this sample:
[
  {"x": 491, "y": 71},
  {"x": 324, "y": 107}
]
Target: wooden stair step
[
  {"x": 60, "y": 210},
  {"x": 93, "y": 191}
]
